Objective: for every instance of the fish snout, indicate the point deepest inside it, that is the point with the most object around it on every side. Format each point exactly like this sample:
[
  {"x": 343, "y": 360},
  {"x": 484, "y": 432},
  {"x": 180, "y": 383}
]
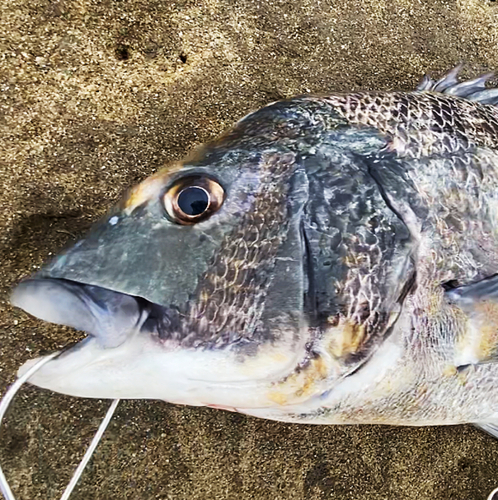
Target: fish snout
[{"x": 107, "y": 315}]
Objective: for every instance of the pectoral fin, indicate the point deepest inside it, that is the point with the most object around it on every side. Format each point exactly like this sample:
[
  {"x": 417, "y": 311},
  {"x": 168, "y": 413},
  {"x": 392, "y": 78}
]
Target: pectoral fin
[{"x": 478, "y": 341}]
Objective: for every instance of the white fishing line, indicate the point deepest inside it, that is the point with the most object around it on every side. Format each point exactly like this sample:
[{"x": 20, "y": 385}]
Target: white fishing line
[
  {"x": 89, "y": 452},
  {"x": 4, "y": 404}
]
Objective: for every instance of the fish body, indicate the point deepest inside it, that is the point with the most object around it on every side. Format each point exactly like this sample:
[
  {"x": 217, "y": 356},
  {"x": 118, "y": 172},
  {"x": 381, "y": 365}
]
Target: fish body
[{"x": 331, "y": 259}]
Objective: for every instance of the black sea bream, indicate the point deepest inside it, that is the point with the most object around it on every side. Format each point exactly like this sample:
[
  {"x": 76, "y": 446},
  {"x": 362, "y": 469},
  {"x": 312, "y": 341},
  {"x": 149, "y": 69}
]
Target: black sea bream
[{"x": 331, "y": 259}]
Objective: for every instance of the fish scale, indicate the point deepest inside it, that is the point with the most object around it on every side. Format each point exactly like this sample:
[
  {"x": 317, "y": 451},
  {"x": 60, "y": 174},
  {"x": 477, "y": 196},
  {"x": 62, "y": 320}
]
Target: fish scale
[
  {"x": 233, "y": 300},
  {"x": 422, "y": 123}
]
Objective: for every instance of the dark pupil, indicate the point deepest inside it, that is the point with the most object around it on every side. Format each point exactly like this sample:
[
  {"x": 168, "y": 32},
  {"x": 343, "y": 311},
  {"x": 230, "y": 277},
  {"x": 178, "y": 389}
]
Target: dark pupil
[{"x": 193, "y": 201}]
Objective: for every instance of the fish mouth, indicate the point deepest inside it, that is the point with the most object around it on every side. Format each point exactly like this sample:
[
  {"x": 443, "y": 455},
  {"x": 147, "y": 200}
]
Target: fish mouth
[
  {"x": 108, "y": 316},
  {"x": 123, "y": 356},
  {"x": 118, "y": 359}
]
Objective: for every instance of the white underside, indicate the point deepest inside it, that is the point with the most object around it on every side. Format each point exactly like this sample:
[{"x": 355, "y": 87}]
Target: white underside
[{"x": 142, "y": 368}]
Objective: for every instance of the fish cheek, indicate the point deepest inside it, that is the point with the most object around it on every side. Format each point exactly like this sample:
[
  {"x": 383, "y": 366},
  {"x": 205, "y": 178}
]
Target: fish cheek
[{"x": 254, "y": 276}]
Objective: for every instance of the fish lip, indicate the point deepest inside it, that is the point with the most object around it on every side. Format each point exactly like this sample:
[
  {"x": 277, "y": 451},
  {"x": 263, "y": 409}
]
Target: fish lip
[
  {"x": 161, "y": 322},
  {"x": 102, "y": 313}
]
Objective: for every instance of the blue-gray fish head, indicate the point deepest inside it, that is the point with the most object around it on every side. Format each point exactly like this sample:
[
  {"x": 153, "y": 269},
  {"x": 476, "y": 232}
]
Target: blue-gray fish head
[{"x": 237, "y": 277}]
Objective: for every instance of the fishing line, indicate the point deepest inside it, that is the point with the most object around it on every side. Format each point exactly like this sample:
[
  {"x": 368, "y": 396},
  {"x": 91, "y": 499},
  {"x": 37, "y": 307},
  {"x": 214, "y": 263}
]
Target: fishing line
[
  {"x": 4, "y": 404},
  {"x": 89, "y": 452}
]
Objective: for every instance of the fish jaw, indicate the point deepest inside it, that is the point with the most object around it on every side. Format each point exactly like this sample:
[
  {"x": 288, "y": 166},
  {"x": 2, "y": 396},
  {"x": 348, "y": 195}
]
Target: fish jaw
[
  {"x": 144, "y": 368},
  {"x": 134, "y": 370},
  {"x": 126, "y": 357}
]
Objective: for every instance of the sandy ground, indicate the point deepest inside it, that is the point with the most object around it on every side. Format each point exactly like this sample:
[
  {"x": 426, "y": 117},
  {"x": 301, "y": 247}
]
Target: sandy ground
[{"x": 96, "y": 95}]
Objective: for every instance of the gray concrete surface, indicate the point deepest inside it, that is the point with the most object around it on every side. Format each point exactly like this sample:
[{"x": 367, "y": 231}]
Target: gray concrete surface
[{"x": 97, "y": 94}]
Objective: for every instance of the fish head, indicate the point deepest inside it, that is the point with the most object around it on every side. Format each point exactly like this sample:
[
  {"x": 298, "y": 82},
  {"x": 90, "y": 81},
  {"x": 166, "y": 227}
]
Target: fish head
[{"x": 195, "y": 288}]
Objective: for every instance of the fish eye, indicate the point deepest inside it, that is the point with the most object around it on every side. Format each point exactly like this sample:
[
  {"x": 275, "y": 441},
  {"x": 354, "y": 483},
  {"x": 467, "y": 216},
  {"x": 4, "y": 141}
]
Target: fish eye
[{"x": 193, "y": 199}]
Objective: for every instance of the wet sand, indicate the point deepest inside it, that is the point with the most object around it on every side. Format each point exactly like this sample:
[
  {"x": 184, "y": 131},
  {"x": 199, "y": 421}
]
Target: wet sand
[{"x": 95, "y": 96}]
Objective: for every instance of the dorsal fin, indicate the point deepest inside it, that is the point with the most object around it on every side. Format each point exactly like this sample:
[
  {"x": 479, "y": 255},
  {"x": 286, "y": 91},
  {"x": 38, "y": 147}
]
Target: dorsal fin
[{"x": 473, "y": 90}]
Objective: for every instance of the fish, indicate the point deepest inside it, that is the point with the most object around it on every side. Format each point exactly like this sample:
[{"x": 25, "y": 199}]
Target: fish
[{"x": 331, "y": 259}]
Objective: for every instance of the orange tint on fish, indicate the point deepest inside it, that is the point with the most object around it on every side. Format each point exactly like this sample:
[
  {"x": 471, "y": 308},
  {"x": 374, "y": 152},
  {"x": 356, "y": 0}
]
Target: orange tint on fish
[{"x": 150, "y": 188}]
